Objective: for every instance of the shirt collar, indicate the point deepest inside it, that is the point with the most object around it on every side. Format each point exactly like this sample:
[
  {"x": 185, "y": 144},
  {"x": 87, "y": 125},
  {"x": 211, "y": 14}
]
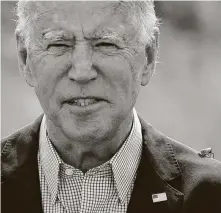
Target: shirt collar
[
  {"x": 125, "y": 162},
  {"x": 124, "y": 169},
  {"x": 50, "y": 161}
]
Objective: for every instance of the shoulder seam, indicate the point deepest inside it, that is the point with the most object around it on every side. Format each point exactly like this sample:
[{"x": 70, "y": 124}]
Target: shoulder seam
[
  {"x": 173, "y": 154},
  {"x": 6, "y": 147}
]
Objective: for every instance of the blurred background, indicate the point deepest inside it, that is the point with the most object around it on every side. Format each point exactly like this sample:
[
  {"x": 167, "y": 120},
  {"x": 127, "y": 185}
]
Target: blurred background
[{"x": 183, "y": 99}]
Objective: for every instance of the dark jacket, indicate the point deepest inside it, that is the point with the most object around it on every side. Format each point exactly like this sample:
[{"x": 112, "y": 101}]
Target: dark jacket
[{"x": 192, "y": 183}]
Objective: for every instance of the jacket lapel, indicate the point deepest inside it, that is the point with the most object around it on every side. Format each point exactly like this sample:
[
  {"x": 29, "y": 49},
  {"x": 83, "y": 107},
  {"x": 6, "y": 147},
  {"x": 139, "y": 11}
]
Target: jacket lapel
[{"x": 158, "y": 172}]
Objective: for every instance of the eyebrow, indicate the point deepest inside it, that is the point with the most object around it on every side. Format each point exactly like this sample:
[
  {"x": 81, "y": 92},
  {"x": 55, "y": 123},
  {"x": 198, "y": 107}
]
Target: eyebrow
[
  {"x": 56, "y": 35},
  {"x": 108, "y": 35}
]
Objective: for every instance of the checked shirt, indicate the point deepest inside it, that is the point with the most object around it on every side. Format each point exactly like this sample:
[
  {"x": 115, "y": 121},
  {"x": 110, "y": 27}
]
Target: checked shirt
[{"x": 105, "y": 189}]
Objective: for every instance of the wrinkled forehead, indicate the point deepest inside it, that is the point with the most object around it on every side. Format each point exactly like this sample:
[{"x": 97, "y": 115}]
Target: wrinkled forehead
[
  {"x": 89, "y": 16},
  {"x": 45, "y": 5},
  {"x": 41, "y": 7}
]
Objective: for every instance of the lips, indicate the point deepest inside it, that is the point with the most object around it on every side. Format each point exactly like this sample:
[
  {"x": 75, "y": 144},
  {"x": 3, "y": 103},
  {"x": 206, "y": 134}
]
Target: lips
[{"x": 83, "y": 102}]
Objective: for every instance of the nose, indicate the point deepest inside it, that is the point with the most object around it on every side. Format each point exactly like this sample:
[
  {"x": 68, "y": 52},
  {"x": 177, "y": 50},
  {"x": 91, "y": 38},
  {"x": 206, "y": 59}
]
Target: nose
[{"x": 82, "y": 70}]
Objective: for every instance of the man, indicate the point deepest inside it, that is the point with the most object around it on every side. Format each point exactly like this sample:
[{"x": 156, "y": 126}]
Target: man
[{"x": 90, "y": 151}]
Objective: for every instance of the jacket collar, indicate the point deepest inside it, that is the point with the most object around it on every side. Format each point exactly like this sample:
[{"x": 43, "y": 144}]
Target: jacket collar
[
  {"x": 158, "y": 172},
  {"x": 162, "y": 156}
]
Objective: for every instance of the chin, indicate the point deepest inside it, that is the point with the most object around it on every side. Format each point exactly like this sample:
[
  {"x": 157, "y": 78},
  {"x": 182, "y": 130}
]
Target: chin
[
  {"x": 88, "y": 135},
  {"x": 86, "y": 131}
]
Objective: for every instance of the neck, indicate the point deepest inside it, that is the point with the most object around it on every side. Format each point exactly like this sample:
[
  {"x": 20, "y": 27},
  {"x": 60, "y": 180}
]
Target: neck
[{"x": 85, "y": 156}]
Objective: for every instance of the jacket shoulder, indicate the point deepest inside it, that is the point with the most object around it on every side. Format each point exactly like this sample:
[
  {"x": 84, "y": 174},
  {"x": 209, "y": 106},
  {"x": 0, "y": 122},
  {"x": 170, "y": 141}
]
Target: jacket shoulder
[
  {"x": 190, "y": 160},
  {"x": 7, "y": 142},
  {"x": 24, "y": 134},
  {"x": 16, "y": 148},
  {"x": 201, "y": 179},
  {"x": 192, "y": 166}
]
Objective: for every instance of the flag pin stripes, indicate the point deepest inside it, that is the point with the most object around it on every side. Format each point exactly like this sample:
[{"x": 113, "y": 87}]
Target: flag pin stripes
[{"x": 159, "y": 197}]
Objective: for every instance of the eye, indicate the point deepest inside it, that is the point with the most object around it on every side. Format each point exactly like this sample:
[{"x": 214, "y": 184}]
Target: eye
[
  {"x": 58, "y": 46},
  {"x": 107, "y": 45}
]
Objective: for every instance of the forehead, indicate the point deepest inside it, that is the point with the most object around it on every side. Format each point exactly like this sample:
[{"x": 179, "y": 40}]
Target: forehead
[{"x": 89, "y": 18}]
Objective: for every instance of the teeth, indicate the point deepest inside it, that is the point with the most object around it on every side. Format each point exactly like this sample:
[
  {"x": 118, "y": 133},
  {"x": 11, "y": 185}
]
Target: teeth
[{"x": 84, "y": 102}]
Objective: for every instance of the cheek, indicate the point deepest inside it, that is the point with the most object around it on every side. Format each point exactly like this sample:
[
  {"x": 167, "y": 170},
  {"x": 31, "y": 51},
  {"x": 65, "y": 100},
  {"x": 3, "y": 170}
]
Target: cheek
[
  {"x": 116, "y": 70},
  {"x": 132, "y": 75},
  {"x": 120, "y": 74},
  {"x": 48, "y": 71},
  {"x": 51, "y": 66}
]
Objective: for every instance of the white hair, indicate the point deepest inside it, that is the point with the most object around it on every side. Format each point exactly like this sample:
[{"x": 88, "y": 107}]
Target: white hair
[{"x": 140, "y": 12}]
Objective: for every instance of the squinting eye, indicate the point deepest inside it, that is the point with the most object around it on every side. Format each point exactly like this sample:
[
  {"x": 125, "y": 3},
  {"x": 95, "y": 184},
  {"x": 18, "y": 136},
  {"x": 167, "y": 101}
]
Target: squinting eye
[
  {"x": 106, "y": 45},
  {"x": 58, "y": 46},
  {"x": 58, "y": 49}
]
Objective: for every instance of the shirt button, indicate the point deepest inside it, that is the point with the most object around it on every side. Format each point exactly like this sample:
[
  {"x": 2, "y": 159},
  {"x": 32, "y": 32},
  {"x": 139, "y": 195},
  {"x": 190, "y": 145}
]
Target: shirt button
[{"x": 69, "y": 172}]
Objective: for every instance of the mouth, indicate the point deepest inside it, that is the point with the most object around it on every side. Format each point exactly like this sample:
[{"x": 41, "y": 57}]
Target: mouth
[{"x": 84, "y": 102}]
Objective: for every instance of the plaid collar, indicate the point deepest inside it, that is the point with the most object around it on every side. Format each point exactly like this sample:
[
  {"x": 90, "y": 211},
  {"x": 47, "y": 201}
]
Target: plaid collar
[{"x": 123, "y": 167}]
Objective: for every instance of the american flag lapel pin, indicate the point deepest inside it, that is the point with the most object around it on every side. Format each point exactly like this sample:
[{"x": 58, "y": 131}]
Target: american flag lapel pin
[{"x": 159, "y": 197}]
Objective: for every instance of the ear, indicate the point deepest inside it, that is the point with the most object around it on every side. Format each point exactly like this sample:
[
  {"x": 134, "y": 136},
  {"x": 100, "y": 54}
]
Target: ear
[
  {"x": 151, "y": 54},
  {"x": 23, "y": 59}
]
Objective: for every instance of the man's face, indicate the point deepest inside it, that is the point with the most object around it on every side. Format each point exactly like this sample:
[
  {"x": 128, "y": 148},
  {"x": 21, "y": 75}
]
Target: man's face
[{"x": 86, "y": 65}]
